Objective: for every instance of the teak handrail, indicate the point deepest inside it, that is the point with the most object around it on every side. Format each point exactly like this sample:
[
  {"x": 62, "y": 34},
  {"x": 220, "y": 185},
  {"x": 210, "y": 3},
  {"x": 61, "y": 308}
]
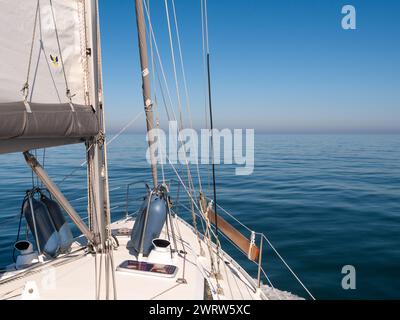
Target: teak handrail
[{"x": 235, "y": 236}]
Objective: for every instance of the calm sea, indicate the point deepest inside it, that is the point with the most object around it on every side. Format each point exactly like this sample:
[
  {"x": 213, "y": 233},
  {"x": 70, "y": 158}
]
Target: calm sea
[{"x": 324, "y": 201}]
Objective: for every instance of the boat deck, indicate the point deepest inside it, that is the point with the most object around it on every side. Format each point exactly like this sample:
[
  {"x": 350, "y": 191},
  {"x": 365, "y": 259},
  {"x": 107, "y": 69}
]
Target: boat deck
[{"x": 73, "y": 276}]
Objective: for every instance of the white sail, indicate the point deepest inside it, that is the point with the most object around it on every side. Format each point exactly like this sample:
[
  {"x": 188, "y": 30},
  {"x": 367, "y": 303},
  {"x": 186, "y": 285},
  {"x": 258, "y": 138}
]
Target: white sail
[
  {"x": 45, "y": 74},
  {"x": 49, "y": 58}
]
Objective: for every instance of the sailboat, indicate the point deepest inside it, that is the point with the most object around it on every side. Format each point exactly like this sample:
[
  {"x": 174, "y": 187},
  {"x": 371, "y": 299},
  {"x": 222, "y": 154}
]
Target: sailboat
[{"x": 51, "y": 95}]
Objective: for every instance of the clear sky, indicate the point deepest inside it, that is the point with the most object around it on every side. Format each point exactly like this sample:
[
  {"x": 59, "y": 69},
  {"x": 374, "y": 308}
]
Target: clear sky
[{"x": 277, "y": 65}]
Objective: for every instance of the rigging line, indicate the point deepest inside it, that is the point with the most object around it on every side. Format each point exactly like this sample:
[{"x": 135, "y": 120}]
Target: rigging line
[
  {"x": 39, "y": 268},
  {"x": 185, "y": 82},
  {"x": 95, "y": 276},
  {"x": 160, "y": 61},
  {"x": 107, "y": 272},
  {"x": 44, "y": 158},
  {"x": 183, "y": 184},
  {"x": 173, "y": 63},
  {"x": 33, "y": 179},
  {"x": 130, "y": 123},
  {"x": 159, "y": 58},
  {"x": 234, "y": 218},
  {"x": 88, "y": 193},
  {"x": 68, "y": 92},
  {"x": 152, "y": 35},
  {"x": 206, "y": 25},
  {"x": 212, "y": 146},
  {"x": 25, "y": 89},
  {"x": 161, "y": 66},
  {"x": 43, "y": 50},
  {"x": 126, "y": 127},
  {"x": 268, "y": 279},
  {"x": 66, "y": 177},
  {"x": 227, "y": 280},
  {"x": 43, "y": 163},
  {"x": 188, "y": 209},
  {"x": 156, "y": 109},
  {"x": 289, "y": 268},
  {"x": 177, "y": 89},
  {"x": 163, "y": 96},
  {"x": 165, "y": 291},
  {"x": 95, "y": 222},
  {"x": 205, "y": 86},
  {"x": 37, "y": 178},
  {"x": 241, "y": 251},
  {"x": 190, "y": 180},
  {"x": 183, "y": 246},
  {"x": 204, "y": 62},
  {"x": 211, "y": 117},
  {"x": 84, "y": 45},
  {"x": 165, "y": 81},
  {"x": 176, "y": 80},
  {"x": 208, "y": 230},
  {"x": 194, "y": 203},
  {"x": 112, "y": 266}
]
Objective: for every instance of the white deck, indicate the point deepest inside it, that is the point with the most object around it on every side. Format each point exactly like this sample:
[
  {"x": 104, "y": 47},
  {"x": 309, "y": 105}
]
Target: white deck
[{"x": 74, "y": 275}]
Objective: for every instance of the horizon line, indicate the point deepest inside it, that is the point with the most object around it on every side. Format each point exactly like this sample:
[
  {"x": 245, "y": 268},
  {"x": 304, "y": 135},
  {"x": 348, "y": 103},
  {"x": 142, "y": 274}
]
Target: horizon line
[{"x": 283, "y": 132}]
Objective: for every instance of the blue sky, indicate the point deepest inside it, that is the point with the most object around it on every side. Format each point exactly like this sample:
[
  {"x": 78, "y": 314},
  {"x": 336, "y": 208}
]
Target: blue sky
[{"x": 282, "y": 66}]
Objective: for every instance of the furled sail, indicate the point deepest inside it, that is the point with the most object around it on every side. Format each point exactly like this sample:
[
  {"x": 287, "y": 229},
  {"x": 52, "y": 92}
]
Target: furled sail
[{"x": 44, "y": 74}]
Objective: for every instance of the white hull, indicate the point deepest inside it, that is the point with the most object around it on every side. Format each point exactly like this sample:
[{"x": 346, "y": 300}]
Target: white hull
[{"x": 73, "y": 276}]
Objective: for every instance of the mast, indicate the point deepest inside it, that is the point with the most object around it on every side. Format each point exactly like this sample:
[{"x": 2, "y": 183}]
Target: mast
[
  {"x": 148, "y": 104},
  {"x": 99, "y": 201},
  {"x": 96, "y": 151}
]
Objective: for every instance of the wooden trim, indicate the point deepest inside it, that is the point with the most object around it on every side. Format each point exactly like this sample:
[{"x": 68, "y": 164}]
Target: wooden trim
[{"x": 235, "y": 236}]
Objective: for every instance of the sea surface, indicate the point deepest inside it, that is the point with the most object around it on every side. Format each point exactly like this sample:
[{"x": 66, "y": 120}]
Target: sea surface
[{"x": 324, "y": 202}]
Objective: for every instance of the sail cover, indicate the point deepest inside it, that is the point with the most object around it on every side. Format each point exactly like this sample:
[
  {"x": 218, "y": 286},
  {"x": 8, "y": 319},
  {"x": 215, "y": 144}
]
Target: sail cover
[{"x": 44, "y": 72}]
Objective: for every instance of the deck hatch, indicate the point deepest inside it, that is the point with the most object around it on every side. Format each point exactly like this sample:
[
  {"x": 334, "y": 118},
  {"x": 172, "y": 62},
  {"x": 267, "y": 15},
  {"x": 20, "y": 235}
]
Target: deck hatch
[{"x": 153, "y": 269}]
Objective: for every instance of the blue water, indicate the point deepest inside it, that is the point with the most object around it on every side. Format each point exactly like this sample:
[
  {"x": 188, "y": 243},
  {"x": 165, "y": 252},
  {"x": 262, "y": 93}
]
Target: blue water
[{"x": 325, "y": 201}]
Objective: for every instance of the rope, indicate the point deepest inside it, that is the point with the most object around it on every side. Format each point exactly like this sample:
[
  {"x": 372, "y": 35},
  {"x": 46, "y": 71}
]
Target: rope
[
  {"x": 151, "y": 32},
  {"x": 185, "y": 84},
  {"x": 173, "y": 63},
  {"x": 289, "y": 268},
  {"x": 159, "y": 58},
  {"x": 231, "y": 242},
  {"x": 19, "y": 225},
  {"x": 204, "y": 63},
  {"x": 211, "y": 122},
  {"x": 272, "y": 247},
  {"x": 190, "y": 181},
  {"x": 156, "y": 111},
  {"x": 176, "y": 80},
  {"x": 83, "y": 27},
  {"x": 204, "y": 34},
  {"x": 126, "y": 127},
  {"x": 68, "y": 91},
  {"x": 234, "y": 218},
  {"x": 206, "y": 25},
  {"x": 208, "y": 230},
  {"x": 25, "y": 89},
  {"x": 183, "y": 246},
  {"x": 129, "y": 124}
]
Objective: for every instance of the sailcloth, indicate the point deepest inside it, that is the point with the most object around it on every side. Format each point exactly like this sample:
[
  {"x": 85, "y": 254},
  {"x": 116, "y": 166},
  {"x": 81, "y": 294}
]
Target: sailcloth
[{"x": 44, "y": 74}]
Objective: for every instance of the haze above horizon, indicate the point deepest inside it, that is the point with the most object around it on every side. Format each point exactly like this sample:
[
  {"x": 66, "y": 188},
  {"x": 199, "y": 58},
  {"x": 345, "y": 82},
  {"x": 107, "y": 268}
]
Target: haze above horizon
[{"x": 277, "y": 66}]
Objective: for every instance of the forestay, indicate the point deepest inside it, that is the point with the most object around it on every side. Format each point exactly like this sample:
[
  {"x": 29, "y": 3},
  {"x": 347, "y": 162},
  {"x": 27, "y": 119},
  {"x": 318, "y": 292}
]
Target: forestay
[{"x": 44, "y": 74}]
